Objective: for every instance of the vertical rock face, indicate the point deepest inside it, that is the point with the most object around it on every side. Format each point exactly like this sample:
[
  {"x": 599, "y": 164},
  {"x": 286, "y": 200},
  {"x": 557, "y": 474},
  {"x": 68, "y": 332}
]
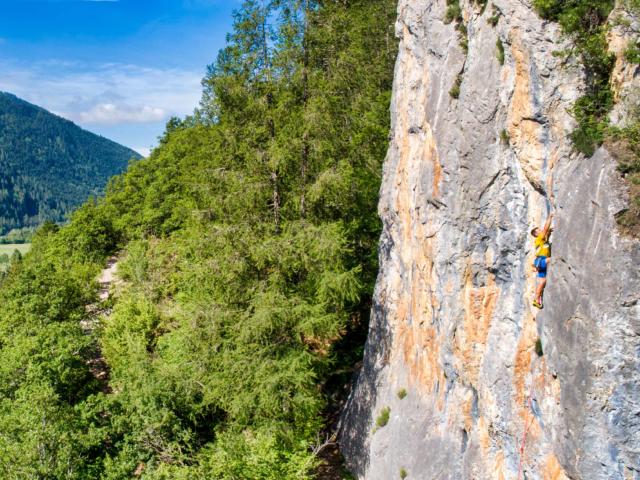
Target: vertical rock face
[{"x": 464, "y": 182}]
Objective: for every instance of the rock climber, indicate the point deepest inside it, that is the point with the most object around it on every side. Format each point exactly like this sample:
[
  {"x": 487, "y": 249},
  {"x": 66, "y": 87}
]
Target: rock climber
[{"x": 543, "y": 255}]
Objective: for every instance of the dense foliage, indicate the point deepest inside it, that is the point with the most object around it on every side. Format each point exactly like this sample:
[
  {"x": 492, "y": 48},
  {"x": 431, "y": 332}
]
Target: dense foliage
[
  {"x": 48, "y": 165},
  {"x": 624, "y": 142},
  {"x": 248, "y": 256},
  {"x": 584, "y": 21}
]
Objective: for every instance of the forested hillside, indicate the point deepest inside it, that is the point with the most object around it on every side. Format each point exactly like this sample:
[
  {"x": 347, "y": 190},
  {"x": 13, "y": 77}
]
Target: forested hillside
[
  {"x": 48, "y": 165},
  {"x": 247, "y": 248}
]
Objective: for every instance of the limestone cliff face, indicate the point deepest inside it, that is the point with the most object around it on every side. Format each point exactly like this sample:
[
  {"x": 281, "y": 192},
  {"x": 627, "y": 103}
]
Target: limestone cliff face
[{"x": 452, "y": 321}]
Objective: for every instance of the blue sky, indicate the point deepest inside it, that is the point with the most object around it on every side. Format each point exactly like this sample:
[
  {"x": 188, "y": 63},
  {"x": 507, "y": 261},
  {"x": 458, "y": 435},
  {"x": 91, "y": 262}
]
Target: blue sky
[{"x": 119, "y": 68}]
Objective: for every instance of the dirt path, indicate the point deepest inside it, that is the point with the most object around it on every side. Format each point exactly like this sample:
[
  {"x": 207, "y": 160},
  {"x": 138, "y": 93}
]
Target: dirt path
[
  {"x": 107, "y": 278},
  {"x": 96, "y": 362}
]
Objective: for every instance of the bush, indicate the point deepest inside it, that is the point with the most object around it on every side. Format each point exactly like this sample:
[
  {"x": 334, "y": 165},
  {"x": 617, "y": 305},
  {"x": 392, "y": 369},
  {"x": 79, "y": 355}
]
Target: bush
[
  {"x": 455, "y": 89},
  {"x": 454, "y": 12},
  {"x": 383, "y": 417},
  {"x": 575, "y": 15},
  {"x": 624, "y": 145},
  {"x": 500, "y": 51},
  {"x": 632, "y": 53},
  {"x": 495, "y": 17},
  {"x": 583, "y": 20}
]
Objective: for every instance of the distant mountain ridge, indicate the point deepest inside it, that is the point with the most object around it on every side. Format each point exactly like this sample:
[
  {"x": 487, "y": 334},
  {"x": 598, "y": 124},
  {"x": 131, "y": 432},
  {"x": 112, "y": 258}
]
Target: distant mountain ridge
[{"x": 49, "y": 165}]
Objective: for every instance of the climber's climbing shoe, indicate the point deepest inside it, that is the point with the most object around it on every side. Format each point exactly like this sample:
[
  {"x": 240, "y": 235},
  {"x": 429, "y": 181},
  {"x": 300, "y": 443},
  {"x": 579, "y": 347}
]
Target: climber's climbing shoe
[{"x": 537, "y": 304}]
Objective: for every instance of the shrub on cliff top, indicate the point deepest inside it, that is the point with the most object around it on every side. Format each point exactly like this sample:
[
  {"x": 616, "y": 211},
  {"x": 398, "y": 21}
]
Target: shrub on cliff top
[
  {"x": 574, "y": 15},
  {"x": 624, "y": 144},
  {"x": 583, "y": 21}
]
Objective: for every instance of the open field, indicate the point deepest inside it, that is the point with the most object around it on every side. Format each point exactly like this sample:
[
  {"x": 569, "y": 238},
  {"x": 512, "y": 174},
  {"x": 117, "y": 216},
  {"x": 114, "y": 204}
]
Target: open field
[{"x": 10, "y": 248}]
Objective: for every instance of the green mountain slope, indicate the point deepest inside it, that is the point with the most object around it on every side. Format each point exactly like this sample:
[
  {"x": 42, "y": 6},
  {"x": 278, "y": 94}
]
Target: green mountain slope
[
  {"x": 48, "y": 165},
  {"x": 248, "y": 253}
]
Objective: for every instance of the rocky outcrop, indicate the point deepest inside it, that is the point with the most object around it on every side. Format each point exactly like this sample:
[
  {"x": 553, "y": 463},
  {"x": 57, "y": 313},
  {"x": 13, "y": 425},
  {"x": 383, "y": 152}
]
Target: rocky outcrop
[
  {"x": 495, "y": 389},
  {"x": 623, "y": 32}
]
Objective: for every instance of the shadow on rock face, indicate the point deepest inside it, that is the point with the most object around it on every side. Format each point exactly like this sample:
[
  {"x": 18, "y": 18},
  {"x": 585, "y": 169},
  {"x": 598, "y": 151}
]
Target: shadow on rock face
[{"x": 356, "y": 421}]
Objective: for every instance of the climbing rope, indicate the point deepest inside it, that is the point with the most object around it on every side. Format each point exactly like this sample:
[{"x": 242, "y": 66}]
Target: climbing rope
[{"x": 523, "y": 443}]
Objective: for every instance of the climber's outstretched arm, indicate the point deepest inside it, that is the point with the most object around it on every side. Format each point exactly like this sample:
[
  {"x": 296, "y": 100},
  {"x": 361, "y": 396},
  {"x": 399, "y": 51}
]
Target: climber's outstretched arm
[{"x": 547, "y": 225}]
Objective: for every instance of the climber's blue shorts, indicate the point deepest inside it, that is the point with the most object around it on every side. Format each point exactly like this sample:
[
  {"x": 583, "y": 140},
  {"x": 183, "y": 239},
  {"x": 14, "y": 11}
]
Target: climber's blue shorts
[{"x": 541, "y": 265}]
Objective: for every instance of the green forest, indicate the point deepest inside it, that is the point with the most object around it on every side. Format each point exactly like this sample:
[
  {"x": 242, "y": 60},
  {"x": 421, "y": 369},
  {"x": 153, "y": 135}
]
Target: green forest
[
  {"x": 48, "y": 165},
  {"x": 247, "y": 255}
]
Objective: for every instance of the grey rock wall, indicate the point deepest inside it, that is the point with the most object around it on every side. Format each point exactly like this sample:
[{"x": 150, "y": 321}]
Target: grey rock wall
[{"x": 452, "y": 320}]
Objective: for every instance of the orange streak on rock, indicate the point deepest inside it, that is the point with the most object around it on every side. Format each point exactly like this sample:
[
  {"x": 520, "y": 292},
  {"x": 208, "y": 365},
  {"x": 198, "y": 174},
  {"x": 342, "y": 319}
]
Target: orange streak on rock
[
  {"x": 623, "y": 71},
  {"x": 492, "y": 465},
  {"x": 552, "y": 470},
  {"x": 526, "y": 345},
  {"x": 414, "y": 333},
  {"x": 498, "y": 466},
  {"x": 471, "y": 338},
  {"x": 467, "y": 412},
  {"x": 431, "y": 156},
  {"x": 524, "y": 133}
]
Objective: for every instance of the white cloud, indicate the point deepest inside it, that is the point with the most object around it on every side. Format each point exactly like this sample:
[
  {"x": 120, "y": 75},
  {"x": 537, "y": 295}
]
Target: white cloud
[
  {"x": 144, "y": 151},
  {"x": 104, "y": 94},
  {"x": 110, "y": 113}
]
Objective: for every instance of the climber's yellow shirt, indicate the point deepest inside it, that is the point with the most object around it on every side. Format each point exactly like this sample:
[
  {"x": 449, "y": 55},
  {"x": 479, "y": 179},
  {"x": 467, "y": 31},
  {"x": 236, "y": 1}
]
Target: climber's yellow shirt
[{"x": 543, "y": 249}]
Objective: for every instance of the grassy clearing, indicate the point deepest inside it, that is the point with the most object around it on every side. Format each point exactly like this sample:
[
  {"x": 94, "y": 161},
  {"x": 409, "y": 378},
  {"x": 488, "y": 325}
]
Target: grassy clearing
[
  {"x": 6, "y": 251},
  {"x": 10, "y": 248}
]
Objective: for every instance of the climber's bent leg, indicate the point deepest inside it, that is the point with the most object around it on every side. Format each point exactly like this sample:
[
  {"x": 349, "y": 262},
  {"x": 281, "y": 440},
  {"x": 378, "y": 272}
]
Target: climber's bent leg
[
  {"x": 541, "y": 266},
  {"x": 542, "y": 282}
]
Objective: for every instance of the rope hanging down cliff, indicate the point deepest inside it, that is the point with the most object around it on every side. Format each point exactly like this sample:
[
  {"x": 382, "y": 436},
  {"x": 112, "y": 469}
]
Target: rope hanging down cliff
[{"x": 529, "y": 423}]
